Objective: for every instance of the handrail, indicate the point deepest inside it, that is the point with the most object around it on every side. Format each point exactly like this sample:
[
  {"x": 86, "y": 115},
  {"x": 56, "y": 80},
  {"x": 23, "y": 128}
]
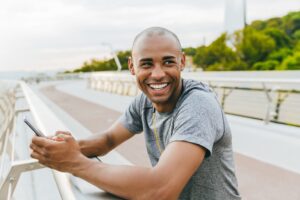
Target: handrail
[
  {"x": 124, "y": 84},
  {"x": 128, "y": 77},
  {"x": 246, "y": 80},
  {"x": 69, "y": 187},
  {"x": 42, "y": 113},
  {"x": 7, "y": 147}
]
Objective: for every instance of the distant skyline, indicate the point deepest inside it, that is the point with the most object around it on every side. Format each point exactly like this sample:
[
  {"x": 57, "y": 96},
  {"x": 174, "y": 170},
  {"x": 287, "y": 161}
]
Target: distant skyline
[{"x": 62, "y": 34}]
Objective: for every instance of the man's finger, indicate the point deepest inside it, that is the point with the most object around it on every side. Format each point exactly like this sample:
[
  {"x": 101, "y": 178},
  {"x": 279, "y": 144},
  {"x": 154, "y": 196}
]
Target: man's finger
[
  {"x": 40, "y": 141},
  {"x": 35, "y": 148},
  {"x": 69, "y": 138},
  {"x": 62, "y": 132}
]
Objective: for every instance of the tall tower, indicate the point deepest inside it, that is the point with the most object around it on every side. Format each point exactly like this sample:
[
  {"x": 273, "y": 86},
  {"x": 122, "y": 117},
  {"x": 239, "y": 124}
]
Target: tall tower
[{"x": 235, "y": 15}]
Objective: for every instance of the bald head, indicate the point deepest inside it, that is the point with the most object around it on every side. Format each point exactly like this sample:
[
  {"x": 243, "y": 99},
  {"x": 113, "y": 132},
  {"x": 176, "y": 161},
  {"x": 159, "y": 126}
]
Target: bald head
[{"x": 155, "y": 31}]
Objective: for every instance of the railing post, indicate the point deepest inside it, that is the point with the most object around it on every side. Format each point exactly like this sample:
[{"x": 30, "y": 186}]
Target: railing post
[
  {"x": 8, "y": 185},
  {"x": 281, "y": 96},
  {"x": 269, "y": 112},
  {"x": 225, "y": 94}
]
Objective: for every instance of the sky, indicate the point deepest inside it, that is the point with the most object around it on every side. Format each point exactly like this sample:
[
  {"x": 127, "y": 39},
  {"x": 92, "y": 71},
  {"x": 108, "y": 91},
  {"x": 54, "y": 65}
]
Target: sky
[{"x": 62, "y": 34}]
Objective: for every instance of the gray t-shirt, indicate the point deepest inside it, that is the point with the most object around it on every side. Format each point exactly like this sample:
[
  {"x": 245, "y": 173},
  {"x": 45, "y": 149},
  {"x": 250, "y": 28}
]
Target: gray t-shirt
[{"x": 197, "y": 118}]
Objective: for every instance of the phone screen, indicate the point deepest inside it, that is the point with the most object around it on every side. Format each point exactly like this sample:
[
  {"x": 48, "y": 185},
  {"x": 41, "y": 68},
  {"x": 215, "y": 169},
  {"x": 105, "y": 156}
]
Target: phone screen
[{"x": 35, "y": 130}]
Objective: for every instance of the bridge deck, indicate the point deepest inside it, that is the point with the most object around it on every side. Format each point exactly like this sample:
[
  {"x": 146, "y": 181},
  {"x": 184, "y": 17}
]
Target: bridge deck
[{"x": 257, "y": 179}]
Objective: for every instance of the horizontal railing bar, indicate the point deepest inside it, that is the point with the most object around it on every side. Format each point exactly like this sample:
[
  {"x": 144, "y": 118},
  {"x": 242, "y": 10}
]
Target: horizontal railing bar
[{"x": 43, "y": 115}]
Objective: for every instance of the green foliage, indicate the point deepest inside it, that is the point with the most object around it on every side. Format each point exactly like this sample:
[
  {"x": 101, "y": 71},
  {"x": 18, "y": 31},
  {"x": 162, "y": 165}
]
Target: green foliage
[
  {"x": 291, "y": 22},
  {"x": 297, "y": 46},
  {"x": 105, "y": 65},
  {"x": 280, "y": 38},
  {"x": 274, "y": 23},
  {"x": 296, "y": 35},
  {"x": 280, "y": 54},
  {"x": 272, "y": 44},
  {"x": 258, "y": 25},
  {"x": 263, "y": 45},
  {"x": 217, "y": 55},
  {"x": 199, "y": 56},
  {"x": 291, "y": 62},
  {"x": 123, "y": 57},
  {"x": 254, "y": 46},
  {"x": 266, "y": 65},
  {"x": 190, "y": 51}
]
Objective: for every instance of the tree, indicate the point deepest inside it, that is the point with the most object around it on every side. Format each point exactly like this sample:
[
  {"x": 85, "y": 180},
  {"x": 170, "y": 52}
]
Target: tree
[
  {"x": 258, "y": 25},
  {"x": 198, "y": 59},
  {"x": 190, "y": 51},
  {"x": 280, "y": 54},
  {"x": 274, "y": 23},
  {"x": 296, "y": 35},
  {"x": 123, "y": 57},
  {"x": 291, "y": 62},
  {"x": 262, "y": 45},
  {"x": 291, "y": 22},
  {"x": 217, "y": 54},
  {"x": 253, "y": 46},
  {"x": 266, "y": 65},
  {"x": 280, "y": 38},
  {"x": 105, "y": 65}
]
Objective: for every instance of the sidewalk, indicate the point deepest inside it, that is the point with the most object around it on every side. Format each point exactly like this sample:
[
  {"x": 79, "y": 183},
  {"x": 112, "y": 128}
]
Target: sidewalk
[{"x": 257, "y": 180}]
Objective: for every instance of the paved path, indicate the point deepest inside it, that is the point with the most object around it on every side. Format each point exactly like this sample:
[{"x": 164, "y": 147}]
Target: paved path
[{"x": 257, "y": 180}]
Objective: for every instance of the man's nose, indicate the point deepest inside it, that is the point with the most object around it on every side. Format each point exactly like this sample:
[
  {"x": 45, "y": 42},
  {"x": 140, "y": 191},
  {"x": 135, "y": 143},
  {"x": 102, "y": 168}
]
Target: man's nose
[{"x": 158, "y": 72}]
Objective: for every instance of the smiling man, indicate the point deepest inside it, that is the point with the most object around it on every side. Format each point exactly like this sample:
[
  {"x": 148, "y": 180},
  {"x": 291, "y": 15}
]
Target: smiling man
[{"x": 187, "y": 135}]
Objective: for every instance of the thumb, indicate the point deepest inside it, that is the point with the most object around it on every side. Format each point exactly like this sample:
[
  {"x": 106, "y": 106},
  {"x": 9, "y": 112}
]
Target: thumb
[{"x": 68, "y": 138}]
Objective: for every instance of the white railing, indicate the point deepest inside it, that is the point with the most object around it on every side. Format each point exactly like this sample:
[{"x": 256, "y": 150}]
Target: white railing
[
  {"x": 268, "y": 95},
  {"x": 9, "y": 175},
  {"x": 62, "y": 76},
  {"x": 44, "y": 118}
]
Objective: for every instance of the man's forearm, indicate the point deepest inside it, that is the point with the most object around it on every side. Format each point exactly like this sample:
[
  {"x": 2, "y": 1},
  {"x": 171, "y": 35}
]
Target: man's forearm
[
  {"x": 129, "y": 182},
  {"x": 96, "y": 145},
  {"x": 100, "y": 144}
]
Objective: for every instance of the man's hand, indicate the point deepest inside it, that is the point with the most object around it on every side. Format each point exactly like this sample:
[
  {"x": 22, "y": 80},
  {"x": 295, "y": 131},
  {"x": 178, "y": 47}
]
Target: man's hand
[
  {"x": 60, "y": 135},
  {"x": 60, "y": 152}
]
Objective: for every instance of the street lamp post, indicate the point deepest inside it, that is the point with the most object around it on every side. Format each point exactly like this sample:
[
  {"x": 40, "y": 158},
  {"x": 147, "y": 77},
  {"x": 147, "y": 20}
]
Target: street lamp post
[{"x": 117, "y": 61}]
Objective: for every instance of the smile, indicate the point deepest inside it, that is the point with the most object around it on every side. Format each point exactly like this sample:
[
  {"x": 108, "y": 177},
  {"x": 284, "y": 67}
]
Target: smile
[{"x": 158, "y": 86}]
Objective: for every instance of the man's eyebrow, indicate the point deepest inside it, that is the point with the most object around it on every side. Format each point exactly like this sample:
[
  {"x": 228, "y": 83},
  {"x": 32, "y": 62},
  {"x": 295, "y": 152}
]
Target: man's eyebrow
[
  {"x": 145, "y": 59},
  {"x": 169, "y": 57}
]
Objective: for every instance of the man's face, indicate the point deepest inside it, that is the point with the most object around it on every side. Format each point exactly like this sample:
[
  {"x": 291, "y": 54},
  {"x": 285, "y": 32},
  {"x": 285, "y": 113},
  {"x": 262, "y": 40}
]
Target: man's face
[{"x": 157, "y": 62}]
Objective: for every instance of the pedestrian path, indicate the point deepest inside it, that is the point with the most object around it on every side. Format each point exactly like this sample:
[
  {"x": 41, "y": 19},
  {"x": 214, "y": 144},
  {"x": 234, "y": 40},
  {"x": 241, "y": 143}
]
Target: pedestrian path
[{"x": 257, "y": 180}]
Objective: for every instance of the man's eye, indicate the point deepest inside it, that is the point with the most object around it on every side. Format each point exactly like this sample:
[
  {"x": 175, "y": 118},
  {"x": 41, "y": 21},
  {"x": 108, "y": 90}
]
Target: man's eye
[
  {"x": 146, "y": 64},
  {"x": 169, "y": 62}
]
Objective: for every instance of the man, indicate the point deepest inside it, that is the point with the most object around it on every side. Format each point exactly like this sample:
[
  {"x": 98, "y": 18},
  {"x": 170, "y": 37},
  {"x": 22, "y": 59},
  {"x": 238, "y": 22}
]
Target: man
[{"x": 187, "y": 136}]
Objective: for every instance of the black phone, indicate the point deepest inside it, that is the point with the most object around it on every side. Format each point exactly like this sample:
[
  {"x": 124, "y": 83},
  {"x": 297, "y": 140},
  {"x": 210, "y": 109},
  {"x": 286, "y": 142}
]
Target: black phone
[
  {"x": 40, "y": 134},
  {"x": 34, "y": 129}
]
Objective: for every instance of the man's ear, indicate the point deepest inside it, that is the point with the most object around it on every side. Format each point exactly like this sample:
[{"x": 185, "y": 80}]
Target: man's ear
[
  {"x": 182, "y": 61},
  {"x": 130, "y": 65}
]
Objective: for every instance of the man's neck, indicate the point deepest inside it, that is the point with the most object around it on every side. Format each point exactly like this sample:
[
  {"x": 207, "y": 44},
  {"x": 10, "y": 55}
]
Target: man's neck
[
  {"x": 164, "y": 108},
  {"x": 170, "y": 105}
]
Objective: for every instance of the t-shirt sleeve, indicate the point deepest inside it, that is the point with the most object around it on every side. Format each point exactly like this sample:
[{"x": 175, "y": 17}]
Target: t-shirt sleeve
[
  {"x": 199, "y": 121},
  {"x": 131, "y": 118}
]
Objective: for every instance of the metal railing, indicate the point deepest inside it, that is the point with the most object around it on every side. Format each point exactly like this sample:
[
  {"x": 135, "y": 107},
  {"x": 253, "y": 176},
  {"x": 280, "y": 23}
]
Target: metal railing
[
  {"x": 9, "y": 178},
  {"x": 45, "y": 119},
  {"x": 14, "y": 169},
  {"x": 57, "y": 77},
  {"x": 276, "y": 100},
  {"x": 41, "y": 113}
]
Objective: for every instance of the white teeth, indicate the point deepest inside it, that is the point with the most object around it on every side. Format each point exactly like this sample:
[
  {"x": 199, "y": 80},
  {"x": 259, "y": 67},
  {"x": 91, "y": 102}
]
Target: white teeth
[{"x": 158, "y": 86}]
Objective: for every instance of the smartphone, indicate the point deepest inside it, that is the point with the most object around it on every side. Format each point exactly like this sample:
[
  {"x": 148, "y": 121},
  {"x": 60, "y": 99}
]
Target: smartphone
[
  {"x": 40, "y": 134},
  {"x": 34, "y": 129}
]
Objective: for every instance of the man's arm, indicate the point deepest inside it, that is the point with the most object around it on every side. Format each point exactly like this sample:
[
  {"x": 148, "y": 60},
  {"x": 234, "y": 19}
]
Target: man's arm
[
  {"x": 100, "y": 144},
  {"x": 166, "y": 180}
]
